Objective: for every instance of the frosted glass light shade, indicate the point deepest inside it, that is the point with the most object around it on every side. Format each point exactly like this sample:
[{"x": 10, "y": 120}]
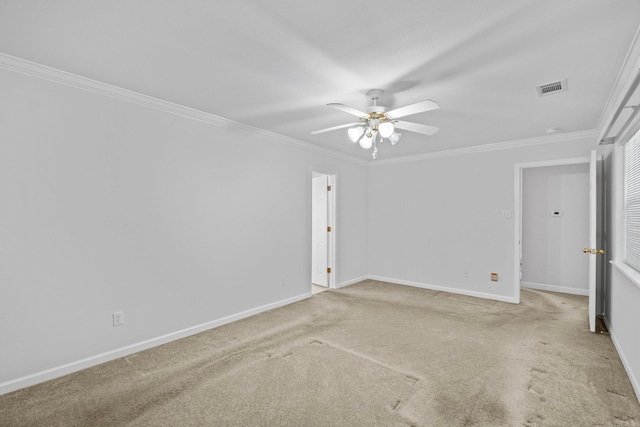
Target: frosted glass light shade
[
  {"x": 355, "y": 133},
  {"x": 386, "y": 129},
  {"x": 394, "y": 138},
  {"x": 367, "y": 141}
]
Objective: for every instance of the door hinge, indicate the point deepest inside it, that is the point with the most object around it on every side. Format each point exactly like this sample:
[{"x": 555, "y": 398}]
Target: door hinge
[
  {"x": 328, "y": 269},
  {"x": 328, "y": 188},
  {"x": 328, "y": 229}
]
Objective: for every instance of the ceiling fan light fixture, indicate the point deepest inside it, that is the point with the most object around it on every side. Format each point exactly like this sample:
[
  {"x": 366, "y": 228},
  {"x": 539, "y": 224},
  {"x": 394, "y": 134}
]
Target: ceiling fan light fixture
[
  {"x": 366, "y": 141},
  {"x": 355, "y": 133},
  {"x": 394, "y": 138},
  {"x": 377, "y": 123},
  {"x": 386, "y": 129},
  {"x": 368, "y": 132}
]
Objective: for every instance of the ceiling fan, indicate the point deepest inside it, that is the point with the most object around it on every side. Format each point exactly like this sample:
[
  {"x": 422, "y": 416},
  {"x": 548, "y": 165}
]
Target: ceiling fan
[{"x": 377, "y": 124}]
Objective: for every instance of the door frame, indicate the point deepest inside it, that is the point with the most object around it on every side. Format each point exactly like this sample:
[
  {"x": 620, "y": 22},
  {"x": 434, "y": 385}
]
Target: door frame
[
  {"x": 517, "y": 215},
  {"x": 332, "y": 178}
]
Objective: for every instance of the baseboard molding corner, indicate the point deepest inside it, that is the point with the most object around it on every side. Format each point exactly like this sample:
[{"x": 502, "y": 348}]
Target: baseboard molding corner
[
  {"x": 483, "y": 295},
  {"x": 554, "y": 288},
  {"x": 351, "y": 282},
  {"x": 69, "y": 368}
]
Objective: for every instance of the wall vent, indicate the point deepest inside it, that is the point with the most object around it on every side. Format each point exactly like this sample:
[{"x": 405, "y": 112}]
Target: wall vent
[{"x": 552, "y": 88}]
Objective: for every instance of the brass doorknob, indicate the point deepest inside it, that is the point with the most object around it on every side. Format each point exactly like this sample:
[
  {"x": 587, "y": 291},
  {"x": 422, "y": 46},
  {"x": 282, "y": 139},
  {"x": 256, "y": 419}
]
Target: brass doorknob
[{"x": 593, "y": 251}]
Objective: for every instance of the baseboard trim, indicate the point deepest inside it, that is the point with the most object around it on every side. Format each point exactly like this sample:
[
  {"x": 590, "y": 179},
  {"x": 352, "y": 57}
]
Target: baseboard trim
[
  {"x": 59, "y": 371},
  {"x": 554, "y": 288},
  {"x": 351, "y": 282},
  {"x": 634, "y": 381},
  {"x": 445, "y": 289}
]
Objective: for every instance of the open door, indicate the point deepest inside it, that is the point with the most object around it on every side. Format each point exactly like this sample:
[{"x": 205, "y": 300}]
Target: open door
[
  {"x": 319, "y": 231},
  {"x": 595, "y": 251}
]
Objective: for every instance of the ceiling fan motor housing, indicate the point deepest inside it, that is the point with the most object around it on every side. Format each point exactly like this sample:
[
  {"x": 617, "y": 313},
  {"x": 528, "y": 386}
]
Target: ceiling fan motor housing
[{"x": 376, "y": 109}]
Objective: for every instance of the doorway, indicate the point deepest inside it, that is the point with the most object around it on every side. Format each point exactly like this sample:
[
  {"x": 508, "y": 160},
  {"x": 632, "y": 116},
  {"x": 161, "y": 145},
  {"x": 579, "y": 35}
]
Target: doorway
[
  {"x": 323, "y": 204},
  {"x": 595, "y": 233},
  {"x": 555, "y": 228},
  {"x": 555, "y": 195}
]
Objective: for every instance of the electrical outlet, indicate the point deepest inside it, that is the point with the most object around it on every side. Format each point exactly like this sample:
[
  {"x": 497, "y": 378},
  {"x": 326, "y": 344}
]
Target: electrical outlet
[
  {"x": 118, "y": 318},
  {"x": 284, "y": 282},
  {"x": 466, "y": 274}
]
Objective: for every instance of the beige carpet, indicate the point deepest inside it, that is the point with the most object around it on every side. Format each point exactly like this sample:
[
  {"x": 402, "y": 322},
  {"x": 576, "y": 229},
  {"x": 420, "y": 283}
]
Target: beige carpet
[{"x": 369, "y": 354}]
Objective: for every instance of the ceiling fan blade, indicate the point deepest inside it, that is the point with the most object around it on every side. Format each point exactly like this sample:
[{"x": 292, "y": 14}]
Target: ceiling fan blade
[
  {"x": 418, "y": 107},
  {"x": 315, "y": 132},
  {"x": 416, "y": 127},
  {"x": 349, "y": 110}
]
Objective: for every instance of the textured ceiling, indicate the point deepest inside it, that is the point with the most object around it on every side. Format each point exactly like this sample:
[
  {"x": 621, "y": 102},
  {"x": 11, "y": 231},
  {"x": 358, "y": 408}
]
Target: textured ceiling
[{"x": 274, "y": 64}]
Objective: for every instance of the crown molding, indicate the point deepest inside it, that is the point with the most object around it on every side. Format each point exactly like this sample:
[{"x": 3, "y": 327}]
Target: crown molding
[
  {"x": 54, "y": 75},
  {"x": 630, "y": 66},
  {"x": 33, "y": 69},
  {"x": 506, "y": 145}
]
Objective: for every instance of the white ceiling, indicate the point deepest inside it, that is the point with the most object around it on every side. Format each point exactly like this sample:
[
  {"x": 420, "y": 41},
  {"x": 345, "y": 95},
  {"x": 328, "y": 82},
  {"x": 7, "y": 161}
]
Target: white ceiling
[{"x": 274, "y": 64}]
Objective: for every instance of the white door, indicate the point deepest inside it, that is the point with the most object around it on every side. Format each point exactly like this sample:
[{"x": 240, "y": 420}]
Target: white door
[
  {"x": 595, "y": 251},
  {"x": 319, "y": 234}
]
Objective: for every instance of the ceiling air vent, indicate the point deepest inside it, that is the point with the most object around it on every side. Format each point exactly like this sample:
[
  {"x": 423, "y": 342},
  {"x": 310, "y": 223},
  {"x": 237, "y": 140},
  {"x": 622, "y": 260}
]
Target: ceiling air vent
[{"x": 552, "y": 88}]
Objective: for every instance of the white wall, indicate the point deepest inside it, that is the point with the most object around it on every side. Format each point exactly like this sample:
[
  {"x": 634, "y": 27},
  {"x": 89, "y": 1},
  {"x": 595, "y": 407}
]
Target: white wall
[
  {"x": 552, "y": 257},
  {"x": 622, "y": 295},
  {"x": 432, "y": 220},
  {"x": 108, "y": 205}
]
